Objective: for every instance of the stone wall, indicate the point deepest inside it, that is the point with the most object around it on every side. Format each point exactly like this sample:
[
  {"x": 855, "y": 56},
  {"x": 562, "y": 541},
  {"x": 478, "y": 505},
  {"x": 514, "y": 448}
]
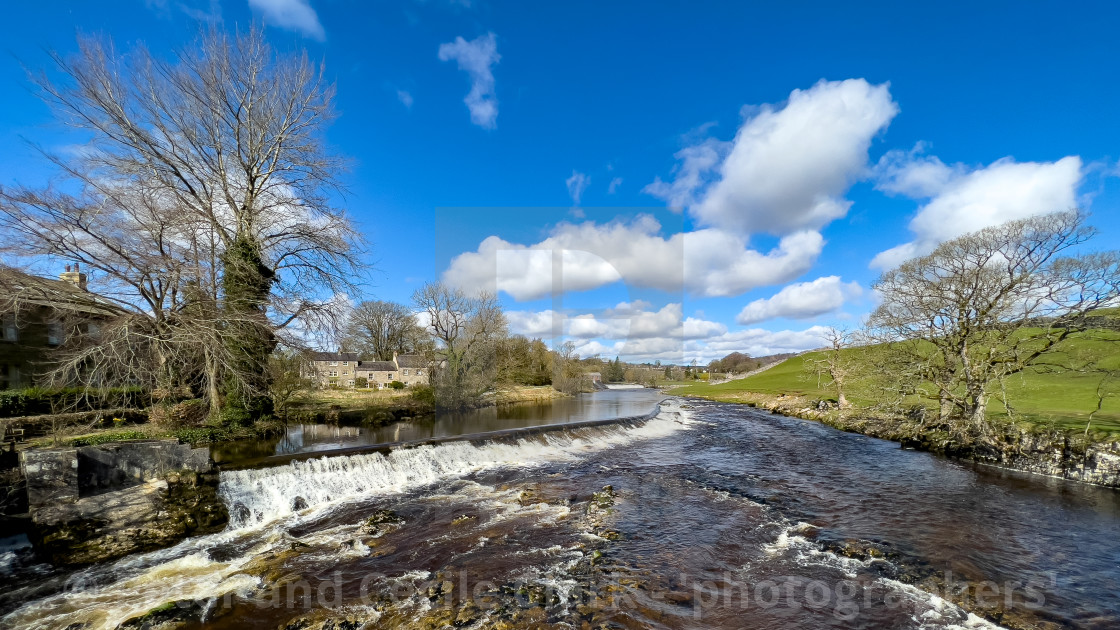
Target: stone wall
[{"x": 97, "y": 503}]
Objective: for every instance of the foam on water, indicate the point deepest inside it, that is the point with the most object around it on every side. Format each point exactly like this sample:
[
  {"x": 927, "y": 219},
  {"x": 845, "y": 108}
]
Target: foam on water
[
  {"x": 257, "y": 497},
  {"x": 103, "y": 596}
]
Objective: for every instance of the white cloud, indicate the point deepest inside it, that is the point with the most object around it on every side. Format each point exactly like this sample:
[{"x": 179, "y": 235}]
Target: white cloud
[
  {"x": 577, "y": 183},
  {"x": 476, "y": 58},
  {"x": 624, "y": 322},
  {"x": 294, "y": 15},
  {"x": 801, "y": 300},
  {"x": 754, "y": 341},
  {"x": 405, "y": 97},
  {"x": 613, "y": 186},
  {"x": 704, "y": 262},
  {"x": 963, "y": 200},
  {"x": 787, "y": 168},
  {"x": 697, "y": 166},
  {"x": 760, "y": 342}
]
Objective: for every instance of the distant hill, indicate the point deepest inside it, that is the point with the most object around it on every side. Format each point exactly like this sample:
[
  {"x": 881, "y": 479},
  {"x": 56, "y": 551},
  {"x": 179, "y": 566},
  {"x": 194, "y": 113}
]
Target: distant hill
[
  {"x": 1049, "y": 395},
  {"x": 739, "y": 362}
]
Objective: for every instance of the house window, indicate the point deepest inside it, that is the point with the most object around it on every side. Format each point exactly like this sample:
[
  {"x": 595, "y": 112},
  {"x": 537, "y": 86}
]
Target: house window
[
  {"x": 54, "y": 333},
  {"x": 390, "y": 376},
  {"x": 9, "y": 377},
  {"x": 351, "y": 382},
  {"x": 419, "y": 372},
  {"x": 333, "y": 373},
  {"x": 334, "y": 362},
  {"x": 346, "y": 363},
  {"x": 405, "y": 372},
  {"x": 9, "y": 330}
]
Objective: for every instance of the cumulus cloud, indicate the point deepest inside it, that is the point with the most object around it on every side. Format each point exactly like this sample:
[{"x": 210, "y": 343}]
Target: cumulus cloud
[
  {"x": 477, "y": 58},
  {"x": 760, "y": 342},
  {"x": 696, "y": 170},
  {"x": 613, "y": 186},
  {"x": 294, "y": 15},
  {"x": 705, "y": 262},
  {"x": 755, "y": 341},
  {"x": 577, "y": 183},
  {"x": 625, "y": 321},
  {"x": 801, "y": 300},
  {"x": 787, "y": 168},
  {"x": 962, "y": 200}
]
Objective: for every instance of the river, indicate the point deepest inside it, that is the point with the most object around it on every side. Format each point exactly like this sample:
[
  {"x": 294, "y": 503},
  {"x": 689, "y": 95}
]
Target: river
[{"x": 717, "y": 516}]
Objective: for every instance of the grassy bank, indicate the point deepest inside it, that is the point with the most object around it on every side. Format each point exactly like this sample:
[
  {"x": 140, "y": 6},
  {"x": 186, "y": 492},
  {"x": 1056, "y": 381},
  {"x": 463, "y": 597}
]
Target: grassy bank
[{"x": 1047, "y": 397}]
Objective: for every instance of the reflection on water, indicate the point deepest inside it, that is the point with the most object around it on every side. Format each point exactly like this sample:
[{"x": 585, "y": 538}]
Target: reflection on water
[{"x": 308, "y": 438}]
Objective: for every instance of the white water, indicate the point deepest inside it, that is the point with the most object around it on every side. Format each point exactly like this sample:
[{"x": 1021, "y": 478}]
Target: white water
[
  {"x": 186, "y": 571},
  {"x": 257, "y": 497}
]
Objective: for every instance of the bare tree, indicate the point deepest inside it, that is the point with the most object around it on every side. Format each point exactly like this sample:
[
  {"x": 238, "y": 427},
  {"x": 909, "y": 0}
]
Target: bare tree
[
  {"x": 380, "y": 328},
  {"x": 989, "y": 304},
  {"x": 835, "y": 363},
  {"x": 202, "y": 201},
  {"x": 467, "y": 331}
]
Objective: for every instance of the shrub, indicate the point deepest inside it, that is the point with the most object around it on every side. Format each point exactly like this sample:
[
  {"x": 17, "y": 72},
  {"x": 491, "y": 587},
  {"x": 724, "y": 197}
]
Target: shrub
[
  {"x": 423, "y": 395},
  {"x": 189, "y": 413},
  {"x": 361, "y": 382},
  {"x": 396, "y": 385}
]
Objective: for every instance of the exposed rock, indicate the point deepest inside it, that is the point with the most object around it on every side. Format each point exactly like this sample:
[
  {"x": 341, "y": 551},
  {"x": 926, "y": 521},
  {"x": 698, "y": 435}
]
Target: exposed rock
[
  {"x": 382, "y": 522},
  {"x": 164, "y": 493},
  {"x": 114, "y": 524},
  {"x": 187, "y": 613}
]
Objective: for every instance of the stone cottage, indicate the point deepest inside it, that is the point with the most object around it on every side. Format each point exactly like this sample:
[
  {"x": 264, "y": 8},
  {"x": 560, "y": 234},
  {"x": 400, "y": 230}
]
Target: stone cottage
[
  {"x": 345, "y": 370},
  {"x": 38, "y": 315}
]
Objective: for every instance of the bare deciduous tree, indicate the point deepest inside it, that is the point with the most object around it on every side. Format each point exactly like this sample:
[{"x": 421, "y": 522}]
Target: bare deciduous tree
[
  {"x": 379, "y": 328},
  {"x": 835, "y": 363},
  {"x": 989, "y": 304},
  {"x": 202, "y": 201},
  {"x": 467, "y": 331}
]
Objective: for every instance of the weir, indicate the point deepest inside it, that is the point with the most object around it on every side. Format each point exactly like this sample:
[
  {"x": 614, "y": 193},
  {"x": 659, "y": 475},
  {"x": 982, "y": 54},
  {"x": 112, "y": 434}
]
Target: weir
[
  {"x": 475, "y": 438},
  {"x": 258, "y": 495}
]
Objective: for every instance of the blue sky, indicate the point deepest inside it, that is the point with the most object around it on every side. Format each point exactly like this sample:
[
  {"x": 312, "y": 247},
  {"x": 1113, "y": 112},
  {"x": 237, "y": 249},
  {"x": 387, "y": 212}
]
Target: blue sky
[{"x": 723, "y": 176}]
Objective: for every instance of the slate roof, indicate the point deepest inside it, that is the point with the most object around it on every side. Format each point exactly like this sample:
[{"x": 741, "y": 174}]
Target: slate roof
[
  {"x": 37, "y": 291},
  {"x": 411, "y": 361},
  {"x": 377, "y": 366}
]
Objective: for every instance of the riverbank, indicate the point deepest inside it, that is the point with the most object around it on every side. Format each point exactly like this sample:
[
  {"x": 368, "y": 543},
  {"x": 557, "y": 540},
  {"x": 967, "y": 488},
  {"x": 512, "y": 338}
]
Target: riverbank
[{"x": 1025, "y": 447}]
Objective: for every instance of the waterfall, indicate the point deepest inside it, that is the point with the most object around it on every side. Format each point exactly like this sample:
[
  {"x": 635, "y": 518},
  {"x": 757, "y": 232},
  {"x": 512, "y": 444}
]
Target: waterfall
[{"x": 256, "y": 497}]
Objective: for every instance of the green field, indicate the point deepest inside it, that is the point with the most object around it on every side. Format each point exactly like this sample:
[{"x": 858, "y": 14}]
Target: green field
[{"x": 1053, "y": 396}]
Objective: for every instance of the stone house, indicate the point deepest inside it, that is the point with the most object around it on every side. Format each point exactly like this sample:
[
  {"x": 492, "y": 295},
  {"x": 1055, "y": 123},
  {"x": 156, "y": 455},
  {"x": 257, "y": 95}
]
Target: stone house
[
  {"x": 333, "y": 369},
  {"x": 344, "y": 369},
  {"x": 412, "y": 369},
  {"x": 379, "y": 373},
  {"x": 38, "y": 315}
]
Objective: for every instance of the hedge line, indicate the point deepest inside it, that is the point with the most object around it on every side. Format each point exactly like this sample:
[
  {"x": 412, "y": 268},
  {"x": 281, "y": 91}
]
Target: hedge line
[{"x": 34, "y": 401}]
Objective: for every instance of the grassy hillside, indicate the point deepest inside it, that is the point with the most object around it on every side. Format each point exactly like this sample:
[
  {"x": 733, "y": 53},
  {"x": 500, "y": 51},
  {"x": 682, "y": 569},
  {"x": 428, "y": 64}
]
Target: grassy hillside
[{"x": 1045, "y": 396}]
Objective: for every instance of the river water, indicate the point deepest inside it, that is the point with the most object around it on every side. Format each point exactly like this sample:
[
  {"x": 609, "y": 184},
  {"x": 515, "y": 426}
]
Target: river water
[
  {"x": 310, "y": 438},
  {"x": 717, "y": 516}
]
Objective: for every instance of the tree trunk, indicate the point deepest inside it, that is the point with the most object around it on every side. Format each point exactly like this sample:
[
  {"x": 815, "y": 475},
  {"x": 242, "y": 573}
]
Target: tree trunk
[{"x": 978, "y": 415}]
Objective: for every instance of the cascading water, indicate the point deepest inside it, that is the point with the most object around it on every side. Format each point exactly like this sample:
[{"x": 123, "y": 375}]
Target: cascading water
[
  {"x": 706, "y": 516},
  {"x": 260, "y": 496}
]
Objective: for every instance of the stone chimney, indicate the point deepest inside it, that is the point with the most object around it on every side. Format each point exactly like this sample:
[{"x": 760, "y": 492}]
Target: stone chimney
[{"x": 75, "y": 277}]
